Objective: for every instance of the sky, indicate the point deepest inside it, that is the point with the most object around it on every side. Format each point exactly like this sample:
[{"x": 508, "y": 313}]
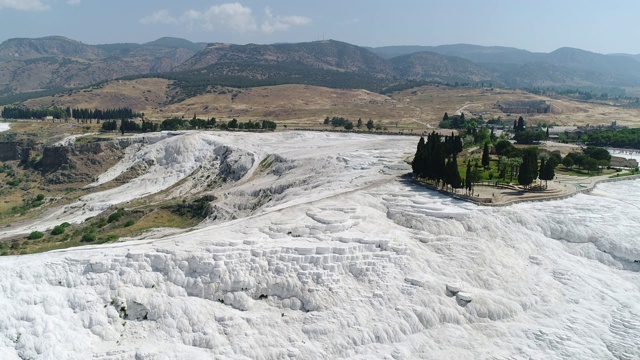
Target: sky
[{"x": 534, "y": 25}]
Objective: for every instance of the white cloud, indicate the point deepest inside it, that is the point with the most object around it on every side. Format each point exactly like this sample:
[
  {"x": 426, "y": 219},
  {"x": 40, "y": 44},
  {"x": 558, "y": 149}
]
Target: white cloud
[
  {"x": 229, "y": 17},
  {"x": 233, "y": 17},
  {"x": 159, "y": 17},
  {"x": 23, "y": 5},
  {"x": 73, "y": 2},
  {"x": 281, "y": 23}
]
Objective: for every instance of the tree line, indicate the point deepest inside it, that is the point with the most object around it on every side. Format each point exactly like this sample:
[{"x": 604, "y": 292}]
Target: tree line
[
  {"x": 177, "y": 123},
  {"x": 339, "y": 121},
  {"x": 16, "y": 112},
  {"x": 622, "y": 138},
  {"x": 130, "y": 126},
  {"x": 106, "y": 114}
]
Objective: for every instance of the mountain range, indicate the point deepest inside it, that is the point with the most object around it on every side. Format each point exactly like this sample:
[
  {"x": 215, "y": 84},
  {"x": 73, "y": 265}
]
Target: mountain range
[{"x": 53, "y": 64}]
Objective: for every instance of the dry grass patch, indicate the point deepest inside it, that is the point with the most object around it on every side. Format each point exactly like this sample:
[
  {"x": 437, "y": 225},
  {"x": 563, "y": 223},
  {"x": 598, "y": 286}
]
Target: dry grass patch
[
  {"x": 299, "y": 106},
  {"x": 156, "y": 219},
  {"x": 140, "y": 95}
]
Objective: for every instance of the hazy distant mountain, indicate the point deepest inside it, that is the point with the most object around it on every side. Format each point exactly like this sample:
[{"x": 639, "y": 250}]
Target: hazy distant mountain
[
  {"x": 324, "y": 63},
  {"x": 52, "y": 46},
  {"x": 328, "y": 54},
  {"x": 56, "y": 62},
  {"x": 436, "y": 67},
  {"x": 589, "y": 61},
  {"x": 520, "y": 68},
  {"x": 475, "y": 53}
]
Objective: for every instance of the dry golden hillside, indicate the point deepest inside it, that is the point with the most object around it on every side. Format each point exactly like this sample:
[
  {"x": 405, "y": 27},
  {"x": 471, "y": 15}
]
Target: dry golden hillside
[
  {"x": 140, "y": 95},
  {"x": 306, "y": 106}
]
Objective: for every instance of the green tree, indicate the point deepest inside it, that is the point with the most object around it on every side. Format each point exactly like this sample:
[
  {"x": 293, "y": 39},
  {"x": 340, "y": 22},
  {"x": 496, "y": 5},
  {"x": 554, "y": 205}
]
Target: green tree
[
  {"x": 563, "y": 138},
  {"x": 597, "y": 153},
  {"x": 529, "y": 167},
  {"x": 547, "y": 172},
  {"x": 504, "y": 148},
  {"x": 359, "y": 125},
  {"x": 445, "y": 117},
  {"x": 591, "y": 164},
  {"x": 417, "y": 165},
  {"x": 475, "y": 176},
  {"x": 503, "y": 162},
  {"x": 467, "y": 179},
  {"x": 567, "y": 162},
  {"x": 453, "y": 174},
  {"x": 348, "y": 125},
  {"x": 485, "y": 155},
  {"x": 521, "y": 126},
  {"x": 370, "y": 125},
  {"x": 541, "y": 170}
]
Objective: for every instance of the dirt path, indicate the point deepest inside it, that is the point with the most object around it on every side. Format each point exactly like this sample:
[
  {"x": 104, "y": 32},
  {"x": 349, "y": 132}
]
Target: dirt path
[{"x": 459, "y": 111}]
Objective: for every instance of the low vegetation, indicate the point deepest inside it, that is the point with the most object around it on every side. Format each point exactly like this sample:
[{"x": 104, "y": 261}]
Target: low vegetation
[{"x": 107, "y": 228}]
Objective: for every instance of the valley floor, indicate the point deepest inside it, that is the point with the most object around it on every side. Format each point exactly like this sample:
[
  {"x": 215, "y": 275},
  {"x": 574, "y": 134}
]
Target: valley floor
[{"x": 320, "y": 250}]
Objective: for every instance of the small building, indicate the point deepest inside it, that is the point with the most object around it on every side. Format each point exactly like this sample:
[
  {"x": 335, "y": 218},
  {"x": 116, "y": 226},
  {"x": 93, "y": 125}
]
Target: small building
[{"x": 47, "y": 118}]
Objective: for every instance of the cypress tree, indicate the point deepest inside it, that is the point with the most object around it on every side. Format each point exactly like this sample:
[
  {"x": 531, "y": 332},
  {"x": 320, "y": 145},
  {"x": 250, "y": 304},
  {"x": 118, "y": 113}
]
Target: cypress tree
[
  {"x": 529, "y": 167},
  {"x": 541, "y": 171},
  {"x": 417, "y": 165},
  {"x": 485, "y": 155},
  {"x": 467, "y": 180},
  {"x": 520, "y": 126},
  {"x": 454, "y": 174},
  {"x": 549, "y": 172}
]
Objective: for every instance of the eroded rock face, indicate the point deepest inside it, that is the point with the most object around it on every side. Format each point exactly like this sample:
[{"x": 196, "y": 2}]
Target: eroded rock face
[
  {"x": 9, "y": 151},
  {"x": 53, "y": 157},
  {"x": 78, "y": 162},
  {"x": 17, "y": 150}
]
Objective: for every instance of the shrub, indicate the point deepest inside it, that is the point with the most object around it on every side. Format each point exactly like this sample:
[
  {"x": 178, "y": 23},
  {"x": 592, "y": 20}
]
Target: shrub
[
  {"x": 58, "y": 230},
  {"x": 129, "y": 223},
  {"x": 89, "y": 237},
  {"x": 40, "y": 197},
  {"x": 36, "y": 203},
  {"x": 14, "y": 182},
  {"x": 116, "y": 216},
  {"x": 35, "y": 235},
  {"x": 65, "y": 225},
  {"x": 110, "y": 238}
]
